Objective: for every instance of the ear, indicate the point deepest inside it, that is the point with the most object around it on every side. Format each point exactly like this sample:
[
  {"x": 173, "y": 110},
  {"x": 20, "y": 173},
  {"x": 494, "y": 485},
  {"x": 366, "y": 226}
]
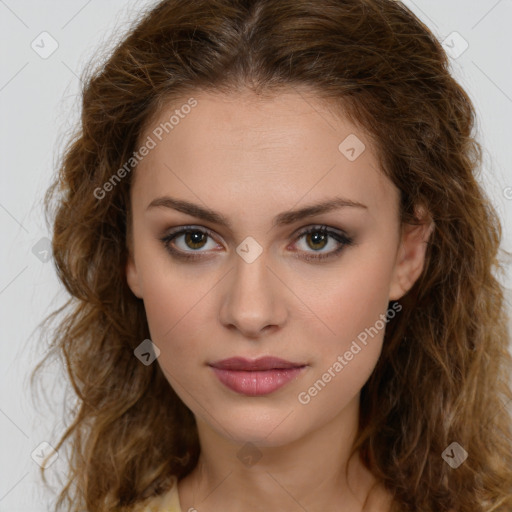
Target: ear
[
  {"x": 411, "y": 254},
  {"x": 132, "y": 276}
]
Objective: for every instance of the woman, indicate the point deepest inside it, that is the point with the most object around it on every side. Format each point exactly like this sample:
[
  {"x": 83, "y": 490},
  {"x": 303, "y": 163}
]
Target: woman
[{"x": 281, "y": 268}]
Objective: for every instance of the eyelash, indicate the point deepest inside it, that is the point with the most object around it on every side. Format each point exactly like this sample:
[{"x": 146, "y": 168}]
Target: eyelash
[{"x": 341, "y": 238}]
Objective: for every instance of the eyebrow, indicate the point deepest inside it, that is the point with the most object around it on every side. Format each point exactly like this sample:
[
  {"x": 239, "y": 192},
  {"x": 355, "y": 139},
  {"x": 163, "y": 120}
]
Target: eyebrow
[{"x": 282, "y": 219}]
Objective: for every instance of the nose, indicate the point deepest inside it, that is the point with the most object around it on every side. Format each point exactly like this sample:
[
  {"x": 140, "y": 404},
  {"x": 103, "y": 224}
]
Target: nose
[{"x": 254, "y": 300}]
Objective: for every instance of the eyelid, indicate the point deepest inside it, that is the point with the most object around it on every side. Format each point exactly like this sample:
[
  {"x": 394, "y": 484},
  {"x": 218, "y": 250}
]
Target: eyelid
[
  {"x": 319, "y": 227},
  {"x": 181, "y": 230},
  {"x": 189, "y": 227},
  {"x": 298, "y": 233}
]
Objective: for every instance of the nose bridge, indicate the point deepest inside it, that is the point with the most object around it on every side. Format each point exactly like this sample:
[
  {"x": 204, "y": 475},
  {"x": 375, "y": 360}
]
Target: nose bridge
[
  {"x": 253, "y": 300},
  {"x": 252, "y": 277}
]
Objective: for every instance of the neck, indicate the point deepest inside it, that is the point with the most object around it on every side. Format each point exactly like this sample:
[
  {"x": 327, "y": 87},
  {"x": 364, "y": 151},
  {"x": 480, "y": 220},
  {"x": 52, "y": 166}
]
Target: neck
[{"x": 313, "y": 472}]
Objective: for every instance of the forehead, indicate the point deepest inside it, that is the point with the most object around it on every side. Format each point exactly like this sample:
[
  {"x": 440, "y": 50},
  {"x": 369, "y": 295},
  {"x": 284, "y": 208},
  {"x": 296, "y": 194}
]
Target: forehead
[{"x": 242, "y": 148}]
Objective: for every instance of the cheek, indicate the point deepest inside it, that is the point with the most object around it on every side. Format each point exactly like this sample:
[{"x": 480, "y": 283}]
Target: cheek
[
  {"x": 353, "y": 307},
  {"x": 180, "y": 315},
  {"x": 350, "y": 299},
  {"x": 172, "y": 291},
  {"x": 170, "y": 313},
  {"x": 344, "y": 360}
]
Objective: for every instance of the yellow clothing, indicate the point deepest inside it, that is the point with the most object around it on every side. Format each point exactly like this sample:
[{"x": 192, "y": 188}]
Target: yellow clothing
[{"x": 168, "y": 502}]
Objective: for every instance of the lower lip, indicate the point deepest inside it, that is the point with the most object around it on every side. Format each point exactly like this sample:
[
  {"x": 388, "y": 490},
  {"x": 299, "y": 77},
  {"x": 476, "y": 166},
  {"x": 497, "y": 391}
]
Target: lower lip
[{"x": 256, "y": 383}]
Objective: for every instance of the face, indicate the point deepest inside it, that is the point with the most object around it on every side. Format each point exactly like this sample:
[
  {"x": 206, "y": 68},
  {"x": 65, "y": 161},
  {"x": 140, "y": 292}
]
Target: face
[{"x": 232, "y": 260}]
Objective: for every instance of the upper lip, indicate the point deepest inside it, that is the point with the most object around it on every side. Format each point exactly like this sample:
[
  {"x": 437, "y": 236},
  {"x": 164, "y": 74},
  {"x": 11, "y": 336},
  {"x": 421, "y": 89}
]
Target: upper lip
[{"x": 263, "y": 363}]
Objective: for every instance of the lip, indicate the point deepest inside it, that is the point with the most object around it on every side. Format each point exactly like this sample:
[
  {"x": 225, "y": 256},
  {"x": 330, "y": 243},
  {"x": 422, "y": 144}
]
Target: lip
[
  {"x": 256, "y": 377},
  {"x": 262, "y": 363}
]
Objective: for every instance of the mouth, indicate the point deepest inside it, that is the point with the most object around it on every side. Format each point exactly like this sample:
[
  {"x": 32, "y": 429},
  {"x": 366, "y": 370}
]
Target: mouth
[{"x": 256, "y": 377}]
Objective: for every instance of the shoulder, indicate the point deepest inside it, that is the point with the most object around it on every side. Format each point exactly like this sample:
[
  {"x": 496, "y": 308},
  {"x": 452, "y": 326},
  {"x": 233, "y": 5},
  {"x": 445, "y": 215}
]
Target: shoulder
[{"x": 167, "y": 502}]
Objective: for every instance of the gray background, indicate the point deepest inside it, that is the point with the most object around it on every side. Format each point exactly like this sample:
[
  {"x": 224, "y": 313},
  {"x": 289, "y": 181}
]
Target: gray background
[{"x": 39, "y": 104}]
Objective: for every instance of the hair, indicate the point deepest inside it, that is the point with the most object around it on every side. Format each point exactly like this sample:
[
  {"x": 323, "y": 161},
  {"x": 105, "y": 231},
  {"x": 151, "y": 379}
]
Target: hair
[{"x": 444, "y": 371}]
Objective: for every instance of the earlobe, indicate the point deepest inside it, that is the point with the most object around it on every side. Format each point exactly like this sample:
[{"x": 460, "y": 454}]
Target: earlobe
[
  {"x": 411, "y": 257},
  {"x": 132, "y": 277}
]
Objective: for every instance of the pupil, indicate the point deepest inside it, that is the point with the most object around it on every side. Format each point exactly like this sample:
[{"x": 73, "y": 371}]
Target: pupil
[
  {"x": 318, "y": 238},
  {"x": 195, "y": 237}
]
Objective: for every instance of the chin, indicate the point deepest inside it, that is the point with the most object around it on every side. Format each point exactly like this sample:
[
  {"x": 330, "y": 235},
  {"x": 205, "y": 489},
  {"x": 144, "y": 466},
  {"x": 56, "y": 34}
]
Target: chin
[{"x": 264, "y": 428}]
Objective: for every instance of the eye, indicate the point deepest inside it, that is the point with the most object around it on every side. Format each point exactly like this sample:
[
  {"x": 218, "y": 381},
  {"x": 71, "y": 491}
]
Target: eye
[
  {"x": 183, "y": 242},
  {"x": 318, "y": 238},
  {"x": 192, "y": 239}
]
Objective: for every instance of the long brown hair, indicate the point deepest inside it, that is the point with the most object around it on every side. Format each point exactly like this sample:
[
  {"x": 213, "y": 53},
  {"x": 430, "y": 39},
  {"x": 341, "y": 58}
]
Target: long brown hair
[{"x": 444, "y": 372}]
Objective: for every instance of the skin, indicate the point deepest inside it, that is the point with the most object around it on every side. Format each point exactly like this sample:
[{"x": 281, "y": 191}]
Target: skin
[{"x": 250, "y": 159}]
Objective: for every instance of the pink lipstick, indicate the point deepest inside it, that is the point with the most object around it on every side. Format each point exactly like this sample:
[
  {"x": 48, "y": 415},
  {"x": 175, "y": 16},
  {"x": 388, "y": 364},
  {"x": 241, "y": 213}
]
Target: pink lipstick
[{"x": 256, "y": 377}]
